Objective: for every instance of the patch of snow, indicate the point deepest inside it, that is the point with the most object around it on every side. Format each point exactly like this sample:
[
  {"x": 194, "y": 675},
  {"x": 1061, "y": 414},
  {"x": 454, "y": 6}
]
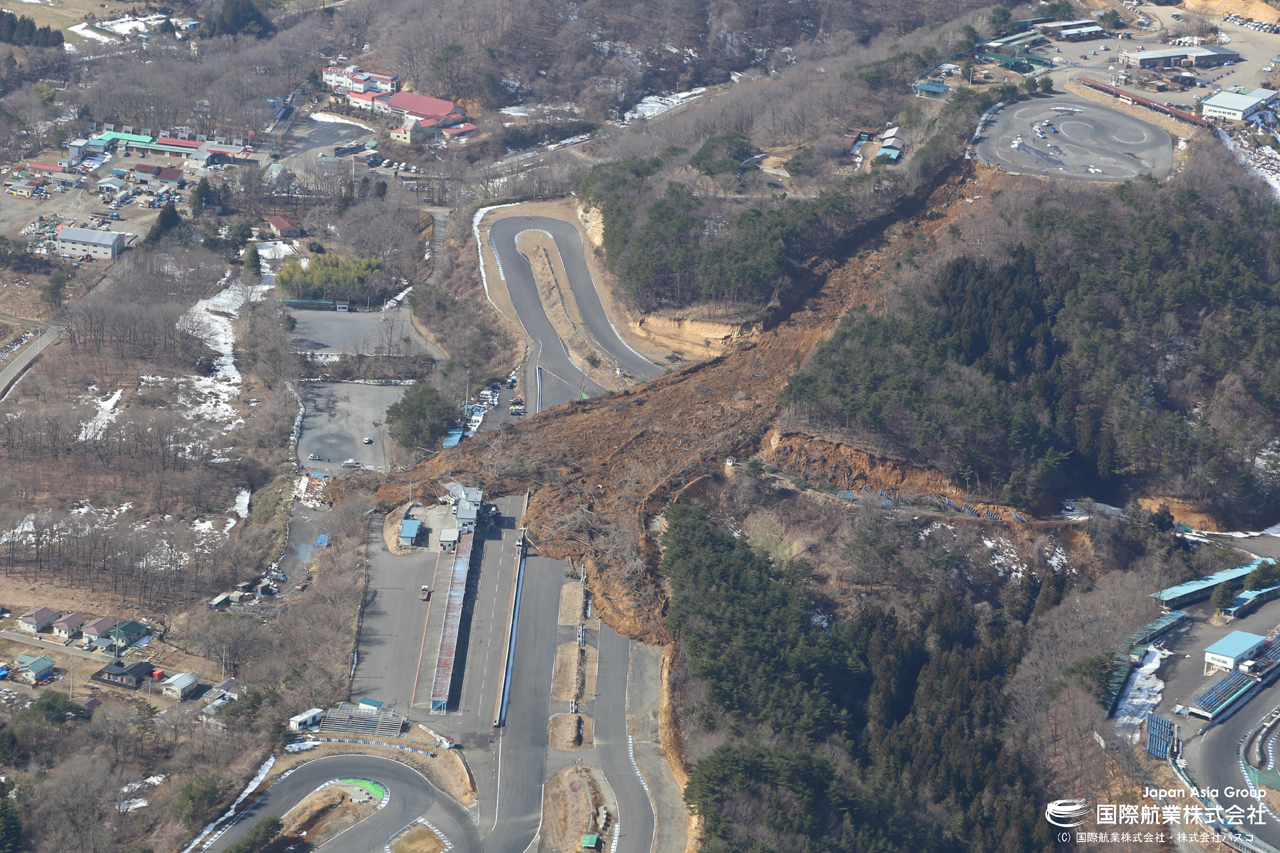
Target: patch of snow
[
  {"x": 275, "y": 250},
  {"x": 1057, "y": 558},
  {"x": 241, "y": 507},
  {"x": 83, "y": 30},
  {"x": 655, "y": 105},
  {"x": 935, "y": 526},
  {"x": 301, "y": 746},
  {"x": 328, "y": 118},
  {"x": 394, "y": 302},
  {"x": 1141, "y": 694},
  {"x": 1005, "y": 557},
  {"x": 93, "y": 428}
]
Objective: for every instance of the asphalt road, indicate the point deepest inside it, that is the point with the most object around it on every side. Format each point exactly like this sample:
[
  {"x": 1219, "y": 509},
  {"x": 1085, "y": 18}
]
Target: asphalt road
[
  {"x": 412, "y": 796},
  {"x": 561, "y": 381},
  {"x": 635, "y": 813},
  {"x": 1214, "y": 764},
  {"x": 1092, "y": 143},
  {"x": 13, "y": 371}
]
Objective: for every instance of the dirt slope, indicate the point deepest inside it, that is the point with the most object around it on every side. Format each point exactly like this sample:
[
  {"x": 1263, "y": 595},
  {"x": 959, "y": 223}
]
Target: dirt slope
[{"x": 601, "y": 470}]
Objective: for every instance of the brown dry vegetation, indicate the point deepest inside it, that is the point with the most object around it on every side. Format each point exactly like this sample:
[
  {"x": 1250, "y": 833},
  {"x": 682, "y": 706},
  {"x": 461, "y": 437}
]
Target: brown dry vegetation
[{"x": 606, "y": 467}]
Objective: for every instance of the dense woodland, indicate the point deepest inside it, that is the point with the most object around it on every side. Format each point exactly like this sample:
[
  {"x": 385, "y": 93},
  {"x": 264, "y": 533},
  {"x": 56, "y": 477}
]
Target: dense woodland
[
  {"x": 879, "y": 731},
  {"x": 1097, "y": 340},
  {"x": 701, "y": 224}
]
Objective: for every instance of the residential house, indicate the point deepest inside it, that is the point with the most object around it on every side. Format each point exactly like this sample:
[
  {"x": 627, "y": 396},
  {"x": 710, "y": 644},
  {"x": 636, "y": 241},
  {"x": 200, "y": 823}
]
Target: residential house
[
  {"x": 181, "y": 686},
  {"x": 121, "y": 674},
  {"x": 38, "y": 620},
  {"x": 128, "y": 632},
  {"x": 283, "y": 226},
  {"x": 33, "y": 668},
  {"x": 209, "y": 713},
  {"x": 98, "y": 631},
  {"x": 43, "y": 170},
  {"x": 229, "y": 688},
  {"x": 458, "y": 130},
  {"x": 68, "y": 627}
]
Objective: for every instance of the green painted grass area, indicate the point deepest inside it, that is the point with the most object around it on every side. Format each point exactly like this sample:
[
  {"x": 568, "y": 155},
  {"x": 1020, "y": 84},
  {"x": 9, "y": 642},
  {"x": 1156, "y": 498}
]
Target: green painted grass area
[{"x": 372, "y": 787}]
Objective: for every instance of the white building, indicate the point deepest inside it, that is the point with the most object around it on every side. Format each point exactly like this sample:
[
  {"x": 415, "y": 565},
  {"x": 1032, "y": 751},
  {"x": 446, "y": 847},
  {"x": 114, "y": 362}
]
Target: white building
[
  {"x": 95, "y": 244},
  {"x": 1233, "y": 106},
  {"x": 351, "y": 78},
  {"x": 306, "y": 720}
]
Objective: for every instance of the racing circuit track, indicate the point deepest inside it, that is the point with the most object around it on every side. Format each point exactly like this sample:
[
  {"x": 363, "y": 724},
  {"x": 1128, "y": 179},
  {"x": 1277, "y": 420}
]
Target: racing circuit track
[
  {"x": 549, "y": 353},
  {"x": 1092, "y": 143},
  {"x": 507, "y": 816},
  {"x": 411, "y": 797}
]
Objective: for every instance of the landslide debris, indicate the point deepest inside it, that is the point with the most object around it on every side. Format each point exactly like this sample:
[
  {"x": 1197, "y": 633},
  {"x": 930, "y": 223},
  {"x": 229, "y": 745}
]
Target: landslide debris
[{"x": 601, "y": 470}]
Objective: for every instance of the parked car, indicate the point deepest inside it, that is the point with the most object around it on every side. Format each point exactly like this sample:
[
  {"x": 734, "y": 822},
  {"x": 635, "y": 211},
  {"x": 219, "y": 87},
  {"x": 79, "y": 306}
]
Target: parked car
[
  {"x": 368, "y": 440},
  {"x": 313, "y": 457}
]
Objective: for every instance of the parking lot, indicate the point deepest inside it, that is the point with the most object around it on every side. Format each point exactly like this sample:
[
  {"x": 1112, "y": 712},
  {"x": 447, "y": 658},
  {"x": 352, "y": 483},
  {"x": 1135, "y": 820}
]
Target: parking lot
[
  {"x": 365, "y": 332},
  {"x": 1081, "y": 140},
  {"x": 339, "y": 417}
]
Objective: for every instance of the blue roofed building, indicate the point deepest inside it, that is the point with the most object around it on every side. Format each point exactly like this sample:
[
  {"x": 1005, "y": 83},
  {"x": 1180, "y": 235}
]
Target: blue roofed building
[
  {"x": 1232, "y": 650},
  {"x": 1176, "y": 597},
  {"x": 410, "y": 530}
]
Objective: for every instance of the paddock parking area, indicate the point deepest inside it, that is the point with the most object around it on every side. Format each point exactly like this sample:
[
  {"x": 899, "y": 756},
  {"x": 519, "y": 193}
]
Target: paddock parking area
[{"x": 1064, "y": 136}]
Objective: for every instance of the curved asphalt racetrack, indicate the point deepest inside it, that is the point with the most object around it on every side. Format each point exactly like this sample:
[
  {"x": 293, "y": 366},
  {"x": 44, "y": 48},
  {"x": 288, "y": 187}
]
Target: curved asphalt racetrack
[
  {"x": 565, "y": 381},
  {"x": 1214, "y": 763},
  {"x": 412, "y": 796},
  {"x": 1093, "y": 143}
]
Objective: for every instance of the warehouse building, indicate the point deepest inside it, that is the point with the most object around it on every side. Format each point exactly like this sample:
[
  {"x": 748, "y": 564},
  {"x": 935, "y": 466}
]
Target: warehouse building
[
  {"x": 1206, "y": 56},
  {"x": 1082, "y": 33},
  {"x": 1234, "y": 106},
  {"x": 95, "y": 244}
]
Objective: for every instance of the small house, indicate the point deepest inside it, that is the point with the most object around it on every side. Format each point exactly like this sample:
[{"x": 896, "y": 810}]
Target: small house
[
  {"x": 38, "y": 620},
  {"x": 449, "y": 540},
  {"x": 34, "y": 668},
  {"x": 181, "y": 686},
  {"x": 111, "y": 185},
  {"x": 29, "y": 188},
  {"x": 98, "y": 630},
  {"x": 283, "y": 226},
  {"x": 127, "y": 633},
  {"x": 306, "y": 720},
  {"x": 121, "y": 674},
  {"x": 229, "y": 687},
  {"x": 68, "y": 627}
]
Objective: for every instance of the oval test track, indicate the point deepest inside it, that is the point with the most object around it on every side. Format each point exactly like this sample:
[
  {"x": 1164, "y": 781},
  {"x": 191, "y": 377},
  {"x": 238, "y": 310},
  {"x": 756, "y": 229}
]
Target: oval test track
[{"x": 412, "y": 796}]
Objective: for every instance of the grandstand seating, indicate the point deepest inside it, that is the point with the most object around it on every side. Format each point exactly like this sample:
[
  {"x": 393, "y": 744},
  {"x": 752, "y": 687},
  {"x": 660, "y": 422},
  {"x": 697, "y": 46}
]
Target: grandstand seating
[
  {"x": 1222, "y": 692},
  {"x": 1161, "y": 737}
]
